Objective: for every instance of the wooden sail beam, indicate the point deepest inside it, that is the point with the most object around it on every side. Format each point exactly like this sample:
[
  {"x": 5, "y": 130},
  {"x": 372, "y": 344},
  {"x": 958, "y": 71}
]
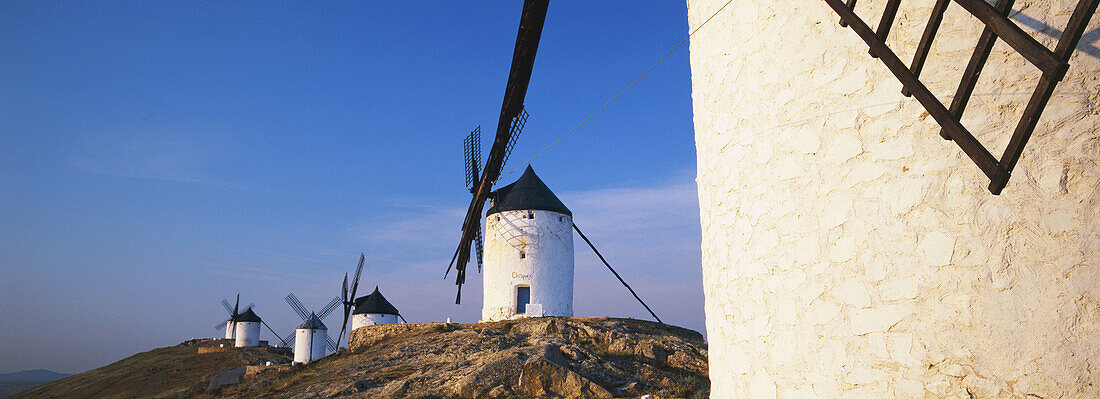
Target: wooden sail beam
[{"x": 519, "y": 77}]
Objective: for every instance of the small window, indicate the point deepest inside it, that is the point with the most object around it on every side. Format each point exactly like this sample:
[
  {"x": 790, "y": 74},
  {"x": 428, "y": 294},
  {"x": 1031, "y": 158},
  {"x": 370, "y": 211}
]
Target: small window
[
  {"x": 522, "y": 254},
  {"x": 523, "y": 297},
  {"x": 498, "y": 218},
  {"x": 530, "y": 215}
]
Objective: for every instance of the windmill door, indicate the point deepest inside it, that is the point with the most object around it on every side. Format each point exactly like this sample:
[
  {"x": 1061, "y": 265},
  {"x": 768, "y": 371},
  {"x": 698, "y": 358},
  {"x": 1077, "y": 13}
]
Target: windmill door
[{"x": 523, "y": 297}]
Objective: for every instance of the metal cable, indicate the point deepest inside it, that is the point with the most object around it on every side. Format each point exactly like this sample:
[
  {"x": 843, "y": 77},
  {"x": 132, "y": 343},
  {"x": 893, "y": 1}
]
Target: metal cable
[{"x": 616, "y": 273}]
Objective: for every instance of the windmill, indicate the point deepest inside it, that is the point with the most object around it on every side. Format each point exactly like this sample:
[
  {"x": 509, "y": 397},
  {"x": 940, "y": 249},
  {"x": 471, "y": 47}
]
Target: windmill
[
  {"x": 230, "y": 324},
  {"x": 511, "y": 122},
  {"x": 374, "y": 309},
  {"x": 349, "y": 301},
  {"x": 312, "y": 321},
  {"x": 235, "y": 315}
]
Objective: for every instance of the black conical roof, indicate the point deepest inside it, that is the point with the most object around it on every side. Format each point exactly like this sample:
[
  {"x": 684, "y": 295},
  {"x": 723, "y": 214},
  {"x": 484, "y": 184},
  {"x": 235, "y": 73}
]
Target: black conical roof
[
  {"x": 312, "y": 323},
  {"x": 248, "y": 315},
  {"x": 527, "y": 193},
  {"x": 374, "y": 303}
]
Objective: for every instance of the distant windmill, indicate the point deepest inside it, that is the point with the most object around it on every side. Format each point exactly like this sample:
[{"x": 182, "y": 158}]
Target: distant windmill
[
  {"x": 230, "y": 324},
  {"x": 349, "y": 300},
  {"x": 311, "y": 338},
  {"x": 238, "y": 316},
  {"x": 374, "y": 309}
]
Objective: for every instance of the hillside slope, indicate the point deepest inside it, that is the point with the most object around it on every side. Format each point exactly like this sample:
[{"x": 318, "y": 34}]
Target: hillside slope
[
  {"x": 539, "y": 357},
  {"x": 176, "y": 371},
  {"x": 12, "y": 383}
]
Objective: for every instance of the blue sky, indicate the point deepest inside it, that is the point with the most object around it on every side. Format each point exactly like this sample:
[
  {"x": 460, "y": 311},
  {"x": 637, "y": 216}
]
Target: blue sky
[{"x": 157, "y": 157}]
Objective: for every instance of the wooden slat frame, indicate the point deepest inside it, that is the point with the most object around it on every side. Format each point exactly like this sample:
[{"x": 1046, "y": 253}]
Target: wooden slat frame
[
  {"x": 974, "y": 67},
  {"x": 1052, "y": 64}
]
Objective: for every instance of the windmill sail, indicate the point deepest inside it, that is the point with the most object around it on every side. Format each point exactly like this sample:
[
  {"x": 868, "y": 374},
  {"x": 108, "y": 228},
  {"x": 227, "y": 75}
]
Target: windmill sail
[
  {"x": 297, "y": 306},
  {"x": 349, "y": 302},
  {"x": 511, "y": 116},
  {"x": 517, "y": 127},
  {"x": 306, "y": 315},
  {"x": 332, "y": 347},
  {"x": 329, "y": 308},
  {"x": 479, "y": 244},
  {"x": 231, "y": 322},
  {"x": 227, "y": 307},
  {"x": 472, "y": 151},
  {"x": 472, "y": 147}
]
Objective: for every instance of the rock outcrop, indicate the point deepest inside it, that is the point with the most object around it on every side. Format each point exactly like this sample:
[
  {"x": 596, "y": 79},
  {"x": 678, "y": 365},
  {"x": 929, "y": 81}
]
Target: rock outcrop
[{"x": 538, "y": 357}]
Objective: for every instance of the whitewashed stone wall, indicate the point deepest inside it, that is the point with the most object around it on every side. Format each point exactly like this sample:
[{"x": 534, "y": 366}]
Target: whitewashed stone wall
[
  {"x": 247, "y": 334},
  {"x": 546, "y": 264},
  {"x": 370, "y": 319},
  {"x": 309, "y": 345},
  {"x": 849, "y": 251}
]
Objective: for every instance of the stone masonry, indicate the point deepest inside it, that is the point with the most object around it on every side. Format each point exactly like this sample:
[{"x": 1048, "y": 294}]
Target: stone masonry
[{"x": 849, "y": 251}]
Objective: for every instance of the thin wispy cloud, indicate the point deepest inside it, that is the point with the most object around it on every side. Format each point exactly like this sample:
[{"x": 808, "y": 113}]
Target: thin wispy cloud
[
  {"x": 173, "y": 157},
  {"x": 286, "y": 258},
  {"x": 253, "y": 272},
  {"x": 242, "y": 274}
]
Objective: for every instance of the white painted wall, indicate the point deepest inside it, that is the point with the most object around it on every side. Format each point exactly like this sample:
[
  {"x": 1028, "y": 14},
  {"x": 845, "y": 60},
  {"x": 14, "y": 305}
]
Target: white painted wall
[
  {"x": 547, "y": 267},
  {"x": 247, "y": 334},
  {"x": 850, "y": 252},
  {"x": 309, "y": 345},
  {"x": 229, "y": 330},
  {"x": 370, "y": 319}
]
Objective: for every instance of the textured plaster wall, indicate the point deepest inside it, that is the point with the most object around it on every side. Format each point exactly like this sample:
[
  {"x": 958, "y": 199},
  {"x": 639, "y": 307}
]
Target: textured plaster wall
[
  {"x": 848, "y": 251},
  {"x": 547, "y": 267},
  {"x": 229, "y": 330},
  {"x": 371, "y": 319},
  {"x": 248, "y": 334}
]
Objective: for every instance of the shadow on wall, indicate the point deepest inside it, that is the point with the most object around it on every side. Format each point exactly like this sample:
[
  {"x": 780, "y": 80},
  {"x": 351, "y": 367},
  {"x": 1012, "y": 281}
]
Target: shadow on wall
[{"x": 1087, "y": 39}]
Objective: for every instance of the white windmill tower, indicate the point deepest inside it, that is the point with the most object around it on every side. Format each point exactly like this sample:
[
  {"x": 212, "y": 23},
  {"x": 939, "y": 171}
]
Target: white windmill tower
[
  {"x": 230, "y": 324},
  {"x": 528, "y": 257},
  {"x": 528, "y": 252},
  {"x": 247, "y": 329},
  {"x": 373, "y": 309},
  {"x": 310, "y": 339},
  {"x": 243, "y": 327}
]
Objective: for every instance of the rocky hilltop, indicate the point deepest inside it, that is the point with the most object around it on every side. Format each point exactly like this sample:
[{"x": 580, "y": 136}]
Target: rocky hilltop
[{"x": 537, "y": 357}]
